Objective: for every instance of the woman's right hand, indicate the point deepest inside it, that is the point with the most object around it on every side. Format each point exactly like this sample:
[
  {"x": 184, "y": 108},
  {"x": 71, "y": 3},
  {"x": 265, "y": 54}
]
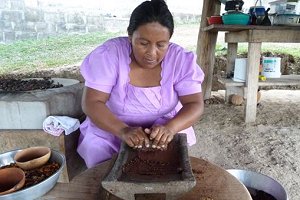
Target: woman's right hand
[{"x": 135, "y": 137}]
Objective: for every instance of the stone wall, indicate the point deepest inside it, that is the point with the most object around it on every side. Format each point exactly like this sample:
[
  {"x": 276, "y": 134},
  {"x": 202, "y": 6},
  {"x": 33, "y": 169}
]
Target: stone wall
[
  {"x": 22, "y": 20},
  {"x": 35, "y": 19}
]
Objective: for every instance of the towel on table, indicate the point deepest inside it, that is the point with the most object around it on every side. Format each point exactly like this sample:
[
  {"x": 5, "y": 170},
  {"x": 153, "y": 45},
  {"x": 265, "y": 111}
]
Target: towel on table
[{"x": 56, "y": 125}]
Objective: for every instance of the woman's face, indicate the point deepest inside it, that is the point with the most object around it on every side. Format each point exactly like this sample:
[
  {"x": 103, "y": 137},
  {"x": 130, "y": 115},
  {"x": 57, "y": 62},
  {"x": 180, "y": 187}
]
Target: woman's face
[{"x": 150, "y": 44}]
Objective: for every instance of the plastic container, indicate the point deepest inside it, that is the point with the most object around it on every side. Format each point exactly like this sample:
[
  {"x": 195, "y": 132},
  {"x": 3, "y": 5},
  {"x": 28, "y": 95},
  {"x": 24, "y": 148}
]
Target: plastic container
[
  {"x": 215, "y": 20},
  {"x": 284, "y": 7},
  {"x": 236, "y": 19},
  {"x": 271, "y": 67},
  {"x": 257, "y": 11},
  {"x": 285, "y": 19},
  {"x": 240, "y": 68}
]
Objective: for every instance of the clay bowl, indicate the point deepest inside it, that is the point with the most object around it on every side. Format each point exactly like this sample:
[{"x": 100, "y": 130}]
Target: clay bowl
[
  {"x": 32, "y": 157},
  {"x": 11, "y": 180}
]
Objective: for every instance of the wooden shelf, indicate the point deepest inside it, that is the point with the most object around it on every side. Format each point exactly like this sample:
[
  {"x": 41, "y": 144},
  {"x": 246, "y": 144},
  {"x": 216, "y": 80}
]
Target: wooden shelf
[
  {"x": 236, "y": 28},
  {"x": 284, "y": 80}
]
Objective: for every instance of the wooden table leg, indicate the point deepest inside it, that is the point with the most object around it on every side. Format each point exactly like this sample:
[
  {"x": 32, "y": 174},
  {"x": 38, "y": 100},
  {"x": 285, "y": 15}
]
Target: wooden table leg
[
  {"x": 254, "y": 51},
  {"x": 231, "y": 56},
  {"x": 206, "y": 45}
]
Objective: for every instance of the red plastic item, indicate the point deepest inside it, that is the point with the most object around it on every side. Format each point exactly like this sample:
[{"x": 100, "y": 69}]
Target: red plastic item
[{"x": 215, "y": 20}]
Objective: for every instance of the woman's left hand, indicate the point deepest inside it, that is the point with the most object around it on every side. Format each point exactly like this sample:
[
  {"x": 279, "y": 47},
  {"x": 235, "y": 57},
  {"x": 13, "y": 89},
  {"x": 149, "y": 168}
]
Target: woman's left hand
[{"x": 160, "y": 136}]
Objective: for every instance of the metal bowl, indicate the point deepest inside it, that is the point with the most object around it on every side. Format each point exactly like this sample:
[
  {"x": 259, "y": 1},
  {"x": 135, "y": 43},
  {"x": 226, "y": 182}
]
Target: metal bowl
[
  {"x": 260, "y": 182},
  {"x": 39, "y": 189}
]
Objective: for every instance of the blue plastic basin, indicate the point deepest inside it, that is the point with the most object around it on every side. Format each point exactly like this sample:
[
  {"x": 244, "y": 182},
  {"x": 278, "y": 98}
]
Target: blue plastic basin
[{"x": 236, "y": 19}]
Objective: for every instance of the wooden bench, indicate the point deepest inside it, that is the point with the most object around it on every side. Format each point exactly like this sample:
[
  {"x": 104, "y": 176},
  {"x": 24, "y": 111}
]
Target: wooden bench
[{"x": 233, "y": 87}]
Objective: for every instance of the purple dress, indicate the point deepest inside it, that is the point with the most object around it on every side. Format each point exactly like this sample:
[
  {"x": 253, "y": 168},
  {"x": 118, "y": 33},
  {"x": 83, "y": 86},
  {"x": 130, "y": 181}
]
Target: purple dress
[{"x": 107, "y": 69}]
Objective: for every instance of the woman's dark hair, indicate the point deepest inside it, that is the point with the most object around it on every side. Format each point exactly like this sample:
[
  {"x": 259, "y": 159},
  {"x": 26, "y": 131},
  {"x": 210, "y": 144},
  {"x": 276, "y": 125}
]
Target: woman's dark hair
[{"x": 151, "y": 11}]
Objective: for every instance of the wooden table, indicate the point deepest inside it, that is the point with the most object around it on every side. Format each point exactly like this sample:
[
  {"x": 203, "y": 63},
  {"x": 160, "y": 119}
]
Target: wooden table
[
  {"x": 212, "y": 182},
  {"x": 253, "y": 35}
]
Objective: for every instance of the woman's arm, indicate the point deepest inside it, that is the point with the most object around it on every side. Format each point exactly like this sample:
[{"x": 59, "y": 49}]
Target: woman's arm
[
  {"x": 94, "y": 106},
  {"x": 193, "y": 107}
]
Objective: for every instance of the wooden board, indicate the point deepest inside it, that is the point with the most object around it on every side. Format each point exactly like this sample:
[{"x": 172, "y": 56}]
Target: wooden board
[
  {"x": 212, "y": 182},
  {"x": 284, "y": 80}
]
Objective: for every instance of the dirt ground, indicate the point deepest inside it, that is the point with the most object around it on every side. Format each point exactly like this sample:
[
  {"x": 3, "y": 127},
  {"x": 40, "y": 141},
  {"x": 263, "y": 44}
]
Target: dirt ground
[{"x": 270, "y": 146}]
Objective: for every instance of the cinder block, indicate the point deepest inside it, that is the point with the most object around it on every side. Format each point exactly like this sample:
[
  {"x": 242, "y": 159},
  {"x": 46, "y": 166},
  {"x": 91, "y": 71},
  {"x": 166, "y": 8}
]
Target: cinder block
[{"x": 28, "y": 110}]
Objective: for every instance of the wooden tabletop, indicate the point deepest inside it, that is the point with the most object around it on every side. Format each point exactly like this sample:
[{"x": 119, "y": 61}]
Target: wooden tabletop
[{"x": 213, "y": 183}]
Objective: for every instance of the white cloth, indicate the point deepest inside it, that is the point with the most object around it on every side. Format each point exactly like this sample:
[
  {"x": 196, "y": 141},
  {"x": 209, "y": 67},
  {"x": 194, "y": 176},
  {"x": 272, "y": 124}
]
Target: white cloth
[{"x": 56, "y": 125}]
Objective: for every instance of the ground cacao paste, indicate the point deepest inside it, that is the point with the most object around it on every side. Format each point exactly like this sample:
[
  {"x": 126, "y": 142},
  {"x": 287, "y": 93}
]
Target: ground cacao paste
[
  {"x": 259, "y": 194},
  {"x": 153, "y": 164},
  {"x": 37, "y": 175}
]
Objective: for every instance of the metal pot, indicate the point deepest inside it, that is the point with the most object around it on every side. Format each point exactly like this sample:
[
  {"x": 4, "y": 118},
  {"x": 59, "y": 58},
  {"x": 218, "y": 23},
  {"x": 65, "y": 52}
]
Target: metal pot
[
  {"x": 39, "y": 189},
  {"x": 233, "y": 5},
  {"x": 257, "y": 181}
]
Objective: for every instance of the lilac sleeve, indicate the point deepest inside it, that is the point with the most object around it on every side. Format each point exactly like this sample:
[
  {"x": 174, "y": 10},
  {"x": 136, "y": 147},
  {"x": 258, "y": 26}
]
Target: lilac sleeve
[
  {"x": 190, "y": 77},
  {"x": 99, "y": 68}
]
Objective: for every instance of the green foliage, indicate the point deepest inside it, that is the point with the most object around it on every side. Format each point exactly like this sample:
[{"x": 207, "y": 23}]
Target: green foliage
[
  {"x": 29, "y": 55},
  {"x": 273, "y": 48}
]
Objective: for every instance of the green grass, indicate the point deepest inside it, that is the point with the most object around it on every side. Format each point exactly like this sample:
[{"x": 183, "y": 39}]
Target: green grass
[
  {"x": 272, "y": 48},
  {"x": 30, "y": 55}
]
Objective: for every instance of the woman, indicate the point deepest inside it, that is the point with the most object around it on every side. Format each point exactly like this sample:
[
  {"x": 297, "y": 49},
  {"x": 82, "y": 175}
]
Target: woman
[{"x": 139, "y": 89}]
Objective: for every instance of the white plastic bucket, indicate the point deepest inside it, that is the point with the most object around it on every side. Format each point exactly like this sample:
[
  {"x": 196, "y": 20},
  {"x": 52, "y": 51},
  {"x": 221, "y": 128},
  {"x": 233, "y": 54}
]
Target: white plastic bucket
[
  {"x": 271, "y": 67},
  {"x": 240, "y": 68}
]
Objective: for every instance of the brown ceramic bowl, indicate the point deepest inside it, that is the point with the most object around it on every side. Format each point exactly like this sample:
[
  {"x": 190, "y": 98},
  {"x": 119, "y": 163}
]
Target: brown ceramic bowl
[
  {"x": 32, "y": 157},
  {"x": 11, "y": 180}
]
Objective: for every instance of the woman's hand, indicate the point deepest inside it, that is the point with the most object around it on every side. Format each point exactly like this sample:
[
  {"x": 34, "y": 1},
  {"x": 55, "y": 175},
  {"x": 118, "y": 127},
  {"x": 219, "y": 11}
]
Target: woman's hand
[
  {"x": 135, "y": 137},
  {"x": 160, "y": 136}
]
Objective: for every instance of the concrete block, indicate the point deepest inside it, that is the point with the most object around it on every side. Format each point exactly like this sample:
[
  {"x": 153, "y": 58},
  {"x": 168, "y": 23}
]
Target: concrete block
[
  {"x": 41, "y": 27},
  {"x": 76, "y": 28},
  {"x": 22, "y": 35},
  {"x": 4, "y": 4},
  {"x": 9, "y": 36},
  {"x": 28, "y": 110},
  {"x": 29, "y": 27},
  {"x": 17, "y": 5},
  {"x": 34, "y": 15},
  {"x": 54, "y": 17},
  {"x": 15, "y": 16},
  {"x": 75, "y": 18},
  {"x": 6, "y": 26}
]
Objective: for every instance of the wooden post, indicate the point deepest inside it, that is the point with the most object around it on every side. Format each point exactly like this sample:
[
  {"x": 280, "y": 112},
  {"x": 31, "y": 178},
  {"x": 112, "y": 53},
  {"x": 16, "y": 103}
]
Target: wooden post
[
  {"x": 254, "y": 50},
  {"x": 231, "y": 55},
  {"x": 206, "y": 45}
]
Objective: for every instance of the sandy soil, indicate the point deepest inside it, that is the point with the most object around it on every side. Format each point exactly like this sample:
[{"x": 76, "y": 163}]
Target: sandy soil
[{"x": 270, "y": 146}]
